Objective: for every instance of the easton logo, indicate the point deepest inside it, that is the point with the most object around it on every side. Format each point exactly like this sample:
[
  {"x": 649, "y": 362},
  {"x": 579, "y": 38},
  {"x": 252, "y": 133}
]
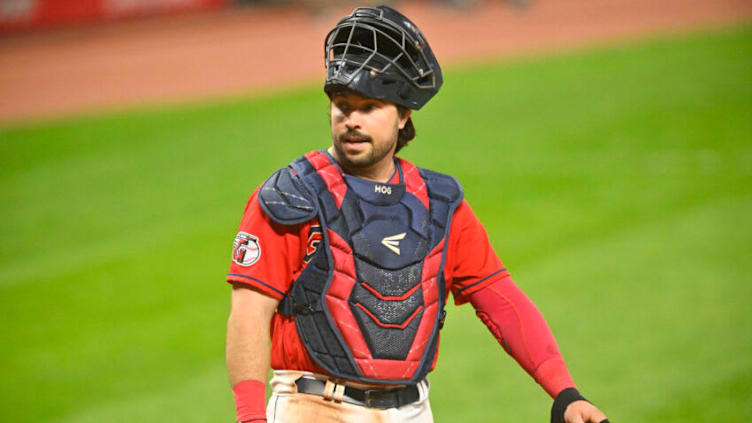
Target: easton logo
[
  {"x": 383, "y": 189},
  {"x": 392, "y": 242}
]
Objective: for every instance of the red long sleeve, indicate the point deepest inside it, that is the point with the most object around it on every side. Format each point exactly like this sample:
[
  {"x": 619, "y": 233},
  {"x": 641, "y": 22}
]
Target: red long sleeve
[{"x": 522, "y": 331}]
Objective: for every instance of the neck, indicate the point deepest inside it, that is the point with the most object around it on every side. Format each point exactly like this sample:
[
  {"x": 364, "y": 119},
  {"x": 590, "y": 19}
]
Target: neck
[{"x": 381, "y": 171}]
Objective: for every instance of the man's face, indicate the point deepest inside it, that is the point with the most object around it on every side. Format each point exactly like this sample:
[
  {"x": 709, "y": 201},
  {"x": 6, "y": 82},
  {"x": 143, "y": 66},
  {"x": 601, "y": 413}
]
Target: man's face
[{"x": 364, "y": 130}]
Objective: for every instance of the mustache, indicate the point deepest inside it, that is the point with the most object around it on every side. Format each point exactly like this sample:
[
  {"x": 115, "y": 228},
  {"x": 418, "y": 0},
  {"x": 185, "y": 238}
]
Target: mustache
[{"x": 354, "y": 133}]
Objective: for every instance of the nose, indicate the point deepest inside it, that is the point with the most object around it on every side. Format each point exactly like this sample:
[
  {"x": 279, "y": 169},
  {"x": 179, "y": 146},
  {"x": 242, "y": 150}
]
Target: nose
[{"x": 352, "y": 120}]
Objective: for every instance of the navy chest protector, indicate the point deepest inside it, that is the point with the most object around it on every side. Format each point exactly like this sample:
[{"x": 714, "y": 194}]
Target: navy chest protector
[{"x": 370, "y": 303}]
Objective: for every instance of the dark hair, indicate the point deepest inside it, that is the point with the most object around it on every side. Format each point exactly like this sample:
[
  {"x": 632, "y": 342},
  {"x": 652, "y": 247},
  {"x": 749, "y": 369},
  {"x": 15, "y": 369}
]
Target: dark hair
[{"x": 407, "y": 133}]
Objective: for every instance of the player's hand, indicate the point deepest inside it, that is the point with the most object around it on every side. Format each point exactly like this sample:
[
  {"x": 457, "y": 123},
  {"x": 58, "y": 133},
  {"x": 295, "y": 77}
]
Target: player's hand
[{"x": 583, "y": 412}]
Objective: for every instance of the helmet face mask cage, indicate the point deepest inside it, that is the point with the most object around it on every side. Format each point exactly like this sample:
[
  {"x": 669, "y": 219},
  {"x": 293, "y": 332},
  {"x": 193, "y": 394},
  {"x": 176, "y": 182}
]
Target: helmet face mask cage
[
  {"x": 381, "y": 54},
  {"x": 357, "y": 46}
]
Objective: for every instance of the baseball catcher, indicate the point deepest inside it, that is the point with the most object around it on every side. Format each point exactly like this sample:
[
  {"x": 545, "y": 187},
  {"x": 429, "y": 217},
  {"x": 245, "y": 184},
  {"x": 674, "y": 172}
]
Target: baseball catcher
[{"x": 345, "y": 258}]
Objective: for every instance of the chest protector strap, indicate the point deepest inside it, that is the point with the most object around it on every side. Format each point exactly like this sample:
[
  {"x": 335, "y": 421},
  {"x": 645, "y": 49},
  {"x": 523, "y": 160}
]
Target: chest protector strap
[{"x": 370, "y": 303}]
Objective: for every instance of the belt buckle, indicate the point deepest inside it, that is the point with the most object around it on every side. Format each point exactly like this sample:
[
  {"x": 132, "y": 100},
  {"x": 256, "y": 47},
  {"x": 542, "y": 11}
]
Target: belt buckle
[{"x": 368, "y": 400}]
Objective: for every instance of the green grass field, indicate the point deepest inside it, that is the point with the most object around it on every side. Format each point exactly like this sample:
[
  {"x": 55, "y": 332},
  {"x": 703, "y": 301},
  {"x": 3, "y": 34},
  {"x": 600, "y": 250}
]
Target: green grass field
[{"x": 615, "y": 183}]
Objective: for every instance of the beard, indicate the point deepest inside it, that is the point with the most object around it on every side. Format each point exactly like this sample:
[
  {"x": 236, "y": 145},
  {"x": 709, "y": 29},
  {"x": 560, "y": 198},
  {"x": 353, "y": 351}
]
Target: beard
[{"x": 374, "y": 152}]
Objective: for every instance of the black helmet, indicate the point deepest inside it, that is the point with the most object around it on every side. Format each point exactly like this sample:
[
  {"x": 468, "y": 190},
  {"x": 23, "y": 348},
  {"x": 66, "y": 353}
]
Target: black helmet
[{"x": 379, "y": 53}]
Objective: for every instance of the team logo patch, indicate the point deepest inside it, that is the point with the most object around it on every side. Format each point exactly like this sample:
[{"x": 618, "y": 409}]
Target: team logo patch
[
  {"x": 314, "y": 239},
  {"x": 246, "y": 249}
]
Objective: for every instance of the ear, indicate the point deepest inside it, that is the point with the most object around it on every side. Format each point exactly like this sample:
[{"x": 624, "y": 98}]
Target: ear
[{"x": 403, "y": 118}]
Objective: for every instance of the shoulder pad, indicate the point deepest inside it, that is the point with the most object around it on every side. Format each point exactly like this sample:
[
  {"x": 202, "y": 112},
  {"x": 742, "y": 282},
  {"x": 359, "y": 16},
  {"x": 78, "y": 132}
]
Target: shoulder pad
[
  {"x": 285, "y": 199},
  {"x": 444, "y": 187}
]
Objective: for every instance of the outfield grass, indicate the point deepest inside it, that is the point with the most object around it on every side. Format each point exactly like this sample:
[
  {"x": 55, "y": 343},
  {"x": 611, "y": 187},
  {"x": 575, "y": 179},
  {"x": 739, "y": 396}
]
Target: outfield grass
[{"x": 616, "y": 184}]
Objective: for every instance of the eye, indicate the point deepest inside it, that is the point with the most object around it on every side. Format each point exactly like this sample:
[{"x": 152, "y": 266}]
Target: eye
[
  {"x": 368, "y": 107},
  {"x": 343, "y": 107}
]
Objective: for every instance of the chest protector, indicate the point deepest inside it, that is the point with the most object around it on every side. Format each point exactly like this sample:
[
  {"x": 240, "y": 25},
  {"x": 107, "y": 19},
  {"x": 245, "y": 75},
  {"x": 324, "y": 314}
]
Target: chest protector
[{"x": 370, "y": 303}]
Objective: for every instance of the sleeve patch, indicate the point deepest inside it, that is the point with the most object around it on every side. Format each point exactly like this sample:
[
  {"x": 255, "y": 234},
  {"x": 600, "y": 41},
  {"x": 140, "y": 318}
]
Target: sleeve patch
[{"x": 246, "y": 249}]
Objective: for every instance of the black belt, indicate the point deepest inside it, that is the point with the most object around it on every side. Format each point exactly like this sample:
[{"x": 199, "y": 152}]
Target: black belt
[{"x": 372, "y": 398}]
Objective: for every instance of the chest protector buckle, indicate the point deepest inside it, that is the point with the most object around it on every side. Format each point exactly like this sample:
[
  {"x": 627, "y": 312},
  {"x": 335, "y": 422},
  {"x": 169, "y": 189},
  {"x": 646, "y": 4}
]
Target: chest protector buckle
[{"x": 370, "y": 303}]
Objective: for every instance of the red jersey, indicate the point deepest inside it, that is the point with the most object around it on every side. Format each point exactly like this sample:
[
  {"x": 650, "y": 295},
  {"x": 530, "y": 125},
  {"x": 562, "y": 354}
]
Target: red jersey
[{"x": 274, "y": 255}]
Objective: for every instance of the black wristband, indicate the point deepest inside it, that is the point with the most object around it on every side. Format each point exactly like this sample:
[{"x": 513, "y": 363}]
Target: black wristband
[{"x": 562, "y": 401}]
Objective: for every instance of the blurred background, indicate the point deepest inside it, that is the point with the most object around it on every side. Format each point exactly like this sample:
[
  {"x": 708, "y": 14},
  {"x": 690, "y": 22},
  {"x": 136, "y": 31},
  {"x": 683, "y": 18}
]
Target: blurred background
[{"x": 606, "y": 145}]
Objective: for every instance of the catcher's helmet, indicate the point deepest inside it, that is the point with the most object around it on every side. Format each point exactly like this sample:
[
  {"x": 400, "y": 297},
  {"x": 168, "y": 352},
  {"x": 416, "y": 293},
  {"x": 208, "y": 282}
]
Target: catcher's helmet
[{"x": 379, "y": 53}]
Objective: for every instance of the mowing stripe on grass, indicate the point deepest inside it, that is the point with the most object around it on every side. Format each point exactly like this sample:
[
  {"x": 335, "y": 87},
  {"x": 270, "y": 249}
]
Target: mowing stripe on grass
[{"x": 615, "y": 184}]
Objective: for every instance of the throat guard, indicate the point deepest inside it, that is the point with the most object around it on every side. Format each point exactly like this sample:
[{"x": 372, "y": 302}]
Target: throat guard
[{"x": 370, "y": 303}]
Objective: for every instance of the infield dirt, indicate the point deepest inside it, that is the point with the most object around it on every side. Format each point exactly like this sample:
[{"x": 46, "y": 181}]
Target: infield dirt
[{"x": 240, "y": 51}]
